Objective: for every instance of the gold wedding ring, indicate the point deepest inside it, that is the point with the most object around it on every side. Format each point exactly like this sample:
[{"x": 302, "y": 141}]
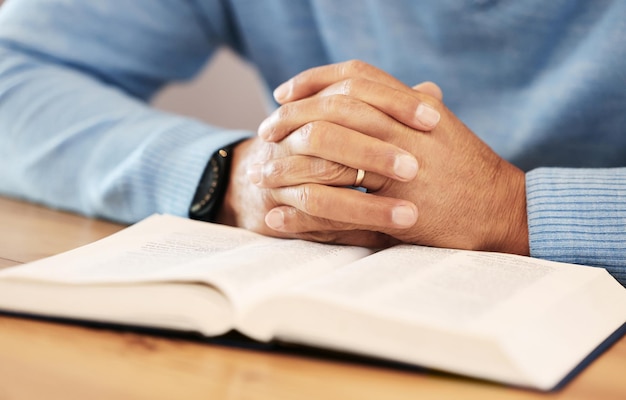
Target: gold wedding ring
[{"x": 360, "y": 175}]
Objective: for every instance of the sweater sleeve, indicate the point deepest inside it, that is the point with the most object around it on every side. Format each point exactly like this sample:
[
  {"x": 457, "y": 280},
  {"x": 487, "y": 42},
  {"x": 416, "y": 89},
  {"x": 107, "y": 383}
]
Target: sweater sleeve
[
  {"x": 75, "y": 128},
  {"x": 579, "y": 216}
]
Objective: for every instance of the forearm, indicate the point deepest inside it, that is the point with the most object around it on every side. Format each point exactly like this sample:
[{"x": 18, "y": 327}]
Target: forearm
[
  {"x": 77, "y": 132},
  {"x": 579, "y": 216},
  {"x": 73, "y": 143}
]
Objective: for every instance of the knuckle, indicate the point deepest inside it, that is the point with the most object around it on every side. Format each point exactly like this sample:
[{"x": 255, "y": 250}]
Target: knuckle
[
  {"x": 307, "y": 200},
  {"x": 305, "y": 134},
  {"x": 334, "y": 103},
  {"x": 343, "y": 108},
  {"x": 328, "y": 173},
  {"x": 284, "y": 112},
  {"x": 266, "y": 151},
  {"x": 353, "y": 86},
  {"x": 355, "y": 67},
  {"x": 273, "y": 171},
  {"x": 268, "y": 125},
  {"x": 311, "y": 136},
  {"x": 346, "y": 87},
  {"x": 303, "y": 195}
]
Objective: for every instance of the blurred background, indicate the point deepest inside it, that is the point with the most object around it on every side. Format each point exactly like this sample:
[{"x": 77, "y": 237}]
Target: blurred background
[{"x": 227, "y": 93}]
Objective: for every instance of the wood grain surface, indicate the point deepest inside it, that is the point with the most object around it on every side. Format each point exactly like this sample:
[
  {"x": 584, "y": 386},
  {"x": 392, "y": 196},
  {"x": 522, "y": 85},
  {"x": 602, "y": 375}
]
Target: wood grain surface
[{"x": 45, "y": 360}]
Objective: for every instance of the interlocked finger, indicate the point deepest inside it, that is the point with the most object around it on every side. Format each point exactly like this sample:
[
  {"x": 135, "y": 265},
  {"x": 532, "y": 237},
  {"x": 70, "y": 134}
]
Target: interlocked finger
[
  {"x": 341, "y": 205},
  {"x": 348, "y": 147},
  {"x": 360, "y": 105},
  {"x": 296, "y": 170},
  {"x": 315, "y": 79}
]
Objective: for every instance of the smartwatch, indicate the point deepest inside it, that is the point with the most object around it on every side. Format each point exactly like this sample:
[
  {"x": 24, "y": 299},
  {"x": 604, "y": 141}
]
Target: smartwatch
[{"x": 211, "y": 190}]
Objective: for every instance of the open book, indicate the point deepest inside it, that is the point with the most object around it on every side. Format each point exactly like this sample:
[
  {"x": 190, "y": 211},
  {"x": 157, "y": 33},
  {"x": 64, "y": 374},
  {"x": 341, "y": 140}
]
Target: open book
[{"x": 499, "y": 317}]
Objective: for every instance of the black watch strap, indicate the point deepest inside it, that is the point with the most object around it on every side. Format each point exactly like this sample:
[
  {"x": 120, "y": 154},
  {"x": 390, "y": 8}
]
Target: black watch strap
[{"x": 211, "y": 190}]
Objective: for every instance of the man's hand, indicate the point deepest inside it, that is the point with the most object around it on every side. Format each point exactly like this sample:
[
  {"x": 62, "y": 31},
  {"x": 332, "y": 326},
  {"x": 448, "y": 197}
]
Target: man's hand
[
  {"x": 466, "y": 195},
  {"x": 317, "y": 162},
  {"x": 247, "y": 205}
]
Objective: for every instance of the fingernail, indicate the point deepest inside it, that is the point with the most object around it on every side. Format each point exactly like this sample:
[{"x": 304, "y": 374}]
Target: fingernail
[
  {"x": 427, "y": 115},
  {"x": 405, "y": 167},
  {"x": 282, "y": 92},
  {"x": 404, "y": 216},
  {"x": 254, "y": 173},
  {"x": 275, "y": 219}
]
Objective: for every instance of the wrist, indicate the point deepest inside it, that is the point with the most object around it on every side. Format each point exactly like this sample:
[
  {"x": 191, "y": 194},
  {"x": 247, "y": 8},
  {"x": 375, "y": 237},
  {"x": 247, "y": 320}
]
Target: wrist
[
  {"x": 512, "y": 220},
  {"x": 228, "y": 213},
  {"x": 211, "y": 190}
]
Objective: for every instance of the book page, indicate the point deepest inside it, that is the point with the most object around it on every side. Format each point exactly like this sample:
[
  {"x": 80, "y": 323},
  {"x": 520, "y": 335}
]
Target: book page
[
  {"x": 495, "y": 316},
  {"x": 165, "y": 248},
  {"x": 138, "y": 253},
  {"x": 427, "y": 285},
  {"x": 263, "y": 268},
  {"x": 439, "y": 285}
]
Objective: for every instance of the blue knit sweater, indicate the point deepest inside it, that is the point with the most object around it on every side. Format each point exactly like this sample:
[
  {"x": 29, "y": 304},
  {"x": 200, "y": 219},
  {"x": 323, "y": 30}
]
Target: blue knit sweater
[{"x": 543, "y": 83}]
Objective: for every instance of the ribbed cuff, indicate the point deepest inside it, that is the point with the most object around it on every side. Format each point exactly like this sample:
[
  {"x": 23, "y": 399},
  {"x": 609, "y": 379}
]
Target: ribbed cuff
[
  {"x": 174, "y": 164},
  {"x": 578, "y": 216}
]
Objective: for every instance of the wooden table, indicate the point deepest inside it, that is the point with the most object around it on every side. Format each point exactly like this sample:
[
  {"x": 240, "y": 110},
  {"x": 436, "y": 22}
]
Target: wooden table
[{"x": 43, "y": 360}]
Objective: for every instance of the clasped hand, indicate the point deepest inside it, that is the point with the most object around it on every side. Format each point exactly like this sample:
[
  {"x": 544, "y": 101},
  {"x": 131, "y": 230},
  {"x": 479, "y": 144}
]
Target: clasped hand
[{"x": 429, "y": 179}]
